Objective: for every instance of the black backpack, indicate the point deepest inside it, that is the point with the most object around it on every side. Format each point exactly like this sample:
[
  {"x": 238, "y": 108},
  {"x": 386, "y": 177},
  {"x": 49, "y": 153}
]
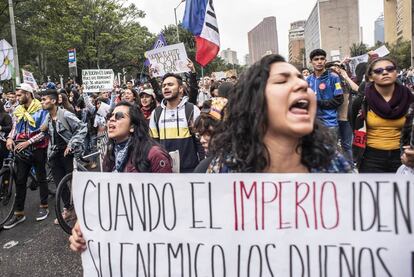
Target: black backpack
[{"x": 189, "y": 114}]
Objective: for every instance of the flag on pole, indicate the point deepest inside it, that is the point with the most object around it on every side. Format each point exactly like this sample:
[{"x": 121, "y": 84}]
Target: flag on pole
[
  {"x": 200, "y": 19},
  {"x": 160, "y": 42}
]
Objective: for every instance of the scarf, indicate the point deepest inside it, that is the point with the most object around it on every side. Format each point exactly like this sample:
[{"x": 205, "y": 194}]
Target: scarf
[
  {"x": 121, "y": 155},
  {"x": 26, "y": 115},
  {"x": 147, "y": 112},
  {"x": 396, "y": 108}
]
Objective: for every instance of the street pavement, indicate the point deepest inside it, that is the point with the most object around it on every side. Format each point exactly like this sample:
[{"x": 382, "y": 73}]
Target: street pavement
[{"x": 42, "y": 249}]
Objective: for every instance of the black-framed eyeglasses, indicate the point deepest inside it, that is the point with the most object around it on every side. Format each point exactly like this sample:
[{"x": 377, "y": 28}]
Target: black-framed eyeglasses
[
  {"x": 118, "y": 116},
  {"x": 380, "y": 70}
]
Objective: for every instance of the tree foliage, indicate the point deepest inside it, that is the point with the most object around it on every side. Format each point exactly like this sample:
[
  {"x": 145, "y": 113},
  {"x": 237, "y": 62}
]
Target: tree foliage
[
  {"x": 105, "y": 33},
  {"x": 358, "y": 49}
]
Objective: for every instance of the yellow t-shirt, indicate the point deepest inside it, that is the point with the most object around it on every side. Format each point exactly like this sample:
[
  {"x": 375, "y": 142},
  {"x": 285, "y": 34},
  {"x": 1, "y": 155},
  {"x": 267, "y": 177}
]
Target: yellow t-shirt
[{"x": 384, "y": 134}]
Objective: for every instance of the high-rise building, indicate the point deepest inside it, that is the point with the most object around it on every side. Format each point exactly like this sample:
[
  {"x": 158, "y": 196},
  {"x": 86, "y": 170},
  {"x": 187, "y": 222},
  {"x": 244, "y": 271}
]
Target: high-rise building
[
  {"x": 333, "y": 25},
  {"x": 263, "y": 39},
  {"x": 297, "y": 44},
  {"x": 379, "y": 29},
  {"x": 247, "y": 59},
  {"x": 229, "y": 56},
  {"x": 398, "y": 20}
]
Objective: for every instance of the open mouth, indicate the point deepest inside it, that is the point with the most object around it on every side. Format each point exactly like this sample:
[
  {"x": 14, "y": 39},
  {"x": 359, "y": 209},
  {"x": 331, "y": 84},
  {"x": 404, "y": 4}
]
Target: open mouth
[
  {"x": 111, "y": 127},
  {"x": 300, "y": 106}
]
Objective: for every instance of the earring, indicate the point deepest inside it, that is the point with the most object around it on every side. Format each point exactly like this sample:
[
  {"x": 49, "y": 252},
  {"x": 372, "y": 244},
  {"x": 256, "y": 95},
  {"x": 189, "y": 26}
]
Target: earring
[{"x": 131, "y": 131}]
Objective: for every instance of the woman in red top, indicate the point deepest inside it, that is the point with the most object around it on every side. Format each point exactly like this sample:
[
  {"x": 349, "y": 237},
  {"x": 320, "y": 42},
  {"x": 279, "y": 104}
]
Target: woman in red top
[{"x": 130, "y": 148}]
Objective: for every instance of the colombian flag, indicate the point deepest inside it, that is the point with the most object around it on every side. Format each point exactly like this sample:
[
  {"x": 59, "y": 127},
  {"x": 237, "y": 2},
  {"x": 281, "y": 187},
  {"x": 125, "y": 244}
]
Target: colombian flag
[{"x": 200, "y": 19}]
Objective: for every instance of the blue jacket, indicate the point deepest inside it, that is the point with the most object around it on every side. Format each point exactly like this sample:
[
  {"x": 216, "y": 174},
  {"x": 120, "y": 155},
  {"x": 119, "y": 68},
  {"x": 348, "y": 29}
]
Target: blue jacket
[{"x": 329, "y": 95}]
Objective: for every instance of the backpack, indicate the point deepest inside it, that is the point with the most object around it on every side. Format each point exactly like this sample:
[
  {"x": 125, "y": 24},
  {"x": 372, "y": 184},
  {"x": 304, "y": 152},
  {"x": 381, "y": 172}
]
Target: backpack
[
  {"x": 62, "y": 119},
  {"x": 189, "y": 114}
]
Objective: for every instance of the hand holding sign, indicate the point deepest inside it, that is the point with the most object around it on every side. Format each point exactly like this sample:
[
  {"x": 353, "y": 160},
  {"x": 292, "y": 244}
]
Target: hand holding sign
[{"x": 169, "y": 59}]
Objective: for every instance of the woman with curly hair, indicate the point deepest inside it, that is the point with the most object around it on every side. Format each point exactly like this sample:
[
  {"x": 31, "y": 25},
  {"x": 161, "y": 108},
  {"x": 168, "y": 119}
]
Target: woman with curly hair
[{"x": 270, "y": 126}]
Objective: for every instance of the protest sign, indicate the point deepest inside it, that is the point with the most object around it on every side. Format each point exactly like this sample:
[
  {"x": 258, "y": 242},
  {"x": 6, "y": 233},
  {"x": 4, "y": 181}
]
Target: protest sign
[
  {"x": 96, "y": 80},
  {"x": 246, "y": 224},
  {"x": 354, "y": 61},
  {"x": 168, "y": 59},
  {"x": 29, "y": 79}
]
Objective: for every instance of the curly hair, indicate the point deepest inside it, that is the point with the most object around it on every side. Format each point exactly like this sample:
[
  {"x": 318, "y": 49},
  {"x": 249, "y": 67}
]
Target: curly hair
[
  {"x": 242, "y": 133},
  {"x": 140, "y": 144}
]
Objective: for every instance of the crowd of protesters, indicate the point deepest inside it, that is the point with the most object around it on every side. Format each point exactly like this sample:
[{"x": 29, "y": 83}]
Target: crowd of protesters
[{"x": 273, "y": 118}]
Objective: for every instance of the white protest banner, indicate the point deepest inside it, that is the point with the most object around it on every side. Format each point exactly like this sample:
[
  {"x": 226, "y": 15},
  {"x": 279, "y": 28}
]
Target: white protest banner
[
  {"x": 354, "y": 61},
  {"x": 96, "y": 80},
  {"x": 246, "y": 224},
  {"x": 29, "y": 79},
  {"x": 168, "y": 59},
  {"x": 382, "y": 51},
  {"x": 218, "y": 75}
]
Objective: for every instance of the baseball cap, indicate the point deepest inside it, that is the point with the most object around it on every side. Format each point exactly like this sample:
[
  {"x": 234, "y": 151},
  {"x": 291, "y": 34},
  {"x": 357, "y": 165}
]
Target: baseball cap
[
  {"x": 25, "y": 87},
  {"x": 148, "y": 91}
]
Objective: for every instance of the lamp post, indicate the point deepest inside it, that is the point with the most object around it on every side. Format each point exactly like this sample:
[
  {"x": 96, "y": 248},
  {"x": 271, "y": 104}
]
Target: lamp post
[
  {"x": 14, "y": 42},
  {"x": 340, "y": 42},
  {"x": 176, "y": 21}
]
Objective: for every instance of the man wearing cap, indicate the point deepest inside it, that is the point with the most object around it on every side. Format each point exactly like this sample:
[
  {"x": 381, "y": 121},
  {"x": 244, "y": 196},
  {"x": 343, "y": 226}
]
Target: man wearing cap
[{"x": 30, "y": 151}]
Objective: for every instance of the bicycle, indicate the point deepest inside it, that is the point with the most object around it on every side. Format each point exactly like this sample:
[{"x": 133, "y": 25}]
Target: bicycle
[
  {"x": 64, "y": 189},
  {"x": 8, "y": 187},
  {"x": 7, "y": 190}
]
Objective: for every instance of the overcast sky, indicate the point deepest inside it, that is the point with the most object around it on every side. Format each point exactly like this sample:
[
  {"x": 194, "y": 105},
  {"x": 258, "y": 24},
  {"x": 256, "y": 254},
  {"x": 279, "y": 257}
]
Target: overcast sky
[{"x": 237, "y": 17}]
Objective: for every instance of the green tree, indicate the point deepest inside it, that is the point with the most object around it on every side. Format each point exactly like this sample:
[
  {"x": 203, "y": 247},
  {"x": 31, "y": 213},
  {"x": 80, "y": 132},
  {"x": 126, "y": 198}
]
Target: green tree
[
  {"x": 358, "y": 49},
  {"x": 105, "y": 33},
  {"x": 400, "y": 52}
]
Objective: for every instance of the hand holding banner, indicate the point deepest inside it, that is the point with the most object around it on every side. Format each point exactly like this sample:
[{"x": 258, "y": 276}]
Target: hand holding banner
[
  {"x": 168, "y": 59},
  {"x": 245, "y": 224}
]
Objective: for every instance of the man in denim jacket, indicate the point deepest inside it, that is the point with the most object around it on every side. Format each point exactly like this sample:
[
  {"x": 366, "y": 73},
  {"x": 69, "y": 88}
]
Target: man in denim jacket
[{"x": 67, "y": 134}]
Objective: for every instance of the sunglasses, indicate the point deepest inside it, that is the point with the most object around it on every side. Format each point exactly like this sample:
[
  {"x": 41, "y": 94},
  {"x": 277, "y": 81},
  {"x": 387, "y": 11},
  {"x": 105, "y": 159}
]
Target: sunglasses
[
  {"x": 380, "y": 70},
  {"x": 118, "y": 116}
]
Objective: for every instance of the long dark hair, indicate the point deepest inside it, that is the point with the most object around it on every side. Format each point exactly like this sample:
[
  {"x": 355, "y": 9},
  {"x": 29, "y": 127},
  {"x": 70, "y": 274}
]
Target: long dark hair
[
  {"x": 140, "y": 143},
  {"x": 242, "y": 133},
  {"x": 66, "y": 104}
]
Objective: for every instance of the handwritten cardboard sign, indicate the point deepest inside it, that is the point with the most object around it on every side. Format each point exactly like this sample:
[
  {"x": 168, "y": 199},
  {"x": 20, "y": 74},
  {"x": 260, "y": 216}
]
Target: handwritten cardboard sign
[
  {"x": 96, "y": 80},
  {"x": 246, "y": 224},
  {"x": 168, "y": 59},
  {"x": 29, "y": 79}
]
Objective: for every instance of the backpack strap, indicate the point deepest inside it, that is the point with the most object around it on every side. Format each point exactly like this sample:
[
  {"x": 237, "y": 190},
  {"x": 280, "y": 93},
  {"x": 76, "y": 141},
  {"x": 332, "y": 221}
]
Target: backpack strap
[
  {"x": 157, "y": 115},
  {"x": 189, "y": 114},
  {"x": 62, "y": 119}
]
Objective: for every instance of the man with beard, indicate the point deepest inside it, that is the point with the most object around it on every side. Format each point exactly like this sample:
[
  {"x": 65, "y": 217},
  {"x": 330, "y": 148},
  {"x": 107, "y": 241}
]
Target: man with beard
[
  {"x": 31, "y": 150},
  {"x": 171, "y": 123}
]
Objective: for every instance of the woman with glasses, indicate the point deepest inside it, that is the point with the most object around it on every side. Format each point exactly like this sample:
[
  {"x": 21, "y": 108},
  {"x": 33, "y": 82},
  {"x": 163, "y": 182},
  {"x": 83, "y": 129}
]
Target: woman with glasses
[
  {"x": 131, "y": 149},
  {"x": 380, "y": 119}
]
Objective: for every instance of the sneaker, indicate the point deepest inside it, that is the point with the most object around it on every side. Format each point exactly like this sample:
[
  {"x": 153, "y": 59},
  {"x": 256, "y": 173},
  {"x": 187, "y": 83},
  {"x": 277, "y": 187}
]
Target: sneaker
[
  {"x": 16, "y": 219},
  {"x": 42, "y": 214},
  {"x": 67, "y": 215}
]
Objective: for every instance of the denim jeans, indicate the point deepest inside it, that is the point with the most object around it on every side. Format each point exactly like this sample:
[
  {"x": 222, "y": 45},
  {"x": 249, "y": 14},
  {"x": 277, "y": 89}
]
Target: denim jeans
[{"x": 345, "y": 135}]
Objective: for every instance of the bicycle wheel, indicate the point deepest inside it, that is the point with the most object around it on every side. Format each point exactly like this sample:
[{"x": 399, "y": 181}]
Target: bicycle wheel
[
  {"x": 64, "y": 208},
  {"x": 7, "y": 195}
]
